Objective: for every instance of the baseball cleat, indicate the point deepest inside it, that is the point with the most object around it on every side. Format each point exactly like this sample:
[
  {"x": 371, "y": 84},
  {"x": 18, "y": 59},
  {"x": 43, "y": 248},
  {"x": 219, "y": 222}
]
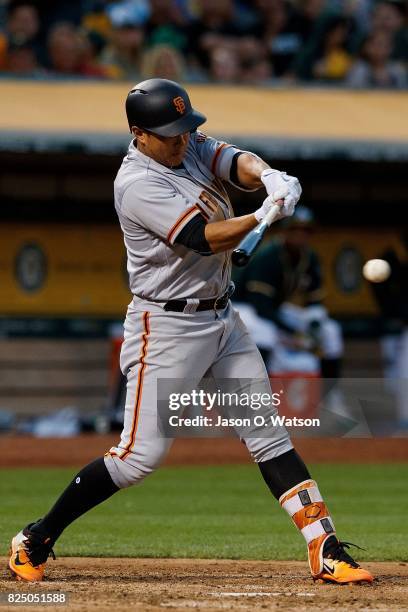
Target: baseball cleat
[
  {"x": 28, "y": 555},
  {"x": 339, "y": 567}
]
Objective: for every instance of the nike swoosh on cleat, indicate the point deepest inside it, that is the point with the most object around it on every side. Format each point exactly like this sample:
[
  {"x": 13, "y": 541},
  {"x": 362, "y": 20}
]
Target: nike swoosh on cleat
[
  {"x": 17, "y": 560},
  {"x": 328, "y": 568}
]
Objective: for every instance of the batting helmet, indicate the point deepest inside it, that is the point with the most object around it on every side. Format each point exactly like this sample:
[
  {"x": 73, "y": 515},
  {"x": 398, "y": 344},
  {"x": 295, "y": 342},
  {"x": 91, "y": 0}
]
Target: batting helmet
[{"x": 162, "y": 107}]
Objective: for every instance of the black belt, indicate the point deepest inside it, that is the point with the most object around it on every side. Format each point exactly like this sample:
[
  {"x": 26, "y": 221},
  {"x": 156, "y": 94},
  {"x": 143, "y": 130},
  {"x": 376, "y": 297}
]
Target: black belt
[{"x": 213, "y": 304}]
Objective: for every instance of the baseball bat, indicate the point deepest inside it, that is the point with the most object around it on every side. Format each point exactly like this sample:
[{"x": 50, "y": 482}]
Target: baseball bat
[{"x": 248, "y": 245}]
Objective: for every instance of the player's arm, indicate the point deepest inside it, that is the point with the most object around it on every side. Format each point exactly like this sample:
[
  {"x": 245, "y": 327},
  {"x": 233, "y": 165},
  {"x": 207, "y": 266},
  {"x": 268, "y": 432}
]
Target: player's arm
[
  {"x": 158, "y": 207},
  {"x": 249, "y": 171},
  {"x": 226, "y": 235},
  {"x": 244, "y": 169},
  {"x": 209, "y": 238}
]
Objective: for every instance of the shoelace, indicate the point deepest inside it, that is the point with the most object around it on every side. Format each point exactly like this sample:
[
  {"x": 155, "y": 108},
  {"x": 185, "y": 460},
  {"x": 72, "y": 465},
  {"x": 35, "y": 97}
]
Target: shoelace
[
  {"x": 338, "y": 553},
  {"x": 38, "y": 553}
]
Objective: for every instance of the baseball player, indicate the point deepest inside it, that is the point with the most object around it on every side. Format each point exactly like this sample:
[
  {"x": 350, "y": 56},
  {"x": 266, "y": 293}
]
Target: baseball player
[
  {"x": 179, "y": 230},
  {"x": 283, "y": 283}
]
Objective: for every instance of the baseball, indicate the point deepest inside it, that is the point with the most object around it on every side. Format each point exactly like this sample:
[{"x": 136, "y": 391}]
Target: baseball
[{"x": 376, "y": 270}]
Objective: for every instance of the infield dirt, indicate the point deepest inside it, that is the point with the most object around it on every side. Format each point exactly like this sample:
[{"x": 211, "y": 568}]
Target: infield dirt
[
  {"x": 183, "y": 584},
  {"x": 26, "y": 451}
]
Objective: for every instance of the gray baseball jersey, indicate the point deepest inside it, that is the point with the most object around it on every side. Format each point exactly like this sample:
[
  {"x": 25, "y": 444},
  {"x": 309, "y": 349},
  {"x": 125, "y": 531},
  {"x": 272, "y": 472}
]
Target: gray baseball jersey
[{"x": 154, "y": 203}]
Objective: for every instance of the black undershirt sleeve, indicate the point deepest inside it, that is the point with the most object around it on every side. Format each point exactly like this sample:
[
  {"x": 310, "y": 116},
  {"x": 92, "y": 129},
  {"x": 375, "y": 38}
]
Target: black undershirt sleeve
[
  {"x": 193, "y": 237},
  {"x": 234, "y": 170}
]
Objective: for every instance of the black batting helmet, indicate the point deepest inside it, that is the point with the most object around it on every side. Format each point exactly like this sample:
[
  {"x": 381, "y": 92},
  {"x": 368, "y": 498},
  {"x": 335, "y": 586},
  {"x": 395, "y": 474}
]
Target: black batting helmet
[{"x": 162, "y": 107}]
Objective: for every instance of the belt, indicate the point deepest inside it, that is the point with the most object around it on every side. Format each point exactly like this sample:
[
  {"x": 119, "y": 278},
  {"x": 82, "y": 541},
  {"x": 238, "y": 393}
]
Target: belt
[{"x": 199, "y": 305}]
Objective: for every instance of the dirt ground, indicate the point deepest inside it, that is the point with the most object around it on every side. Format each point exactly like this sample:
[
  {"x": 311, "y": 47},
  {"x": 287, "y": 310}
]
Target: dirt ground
[
  {"x": 185, "y": 584},
  {"x": 26, "y": 451}
]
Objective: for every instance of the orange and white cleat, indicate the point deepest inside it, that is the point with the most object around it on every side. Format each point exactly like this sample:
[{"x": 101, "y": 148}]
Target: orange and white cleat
[
  {"x": 28, "y": 555},
  {"x": 328, "y": 559},
  {"x": 338, "y": 566}
]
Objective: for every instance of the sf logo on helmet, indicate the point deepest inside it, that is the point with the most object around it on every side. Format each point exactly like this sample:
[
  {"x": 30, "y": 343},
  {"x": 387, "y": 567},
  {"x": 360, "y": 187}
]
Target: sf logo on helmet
[{"x": 179, "y": 104}]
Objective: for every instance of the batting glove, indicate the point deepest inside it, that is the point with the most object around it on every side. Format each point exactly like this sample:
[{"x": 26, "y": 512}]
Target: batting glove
[
  {"x": 275, "y": 180},
  {"x": 268, "y": 202}
]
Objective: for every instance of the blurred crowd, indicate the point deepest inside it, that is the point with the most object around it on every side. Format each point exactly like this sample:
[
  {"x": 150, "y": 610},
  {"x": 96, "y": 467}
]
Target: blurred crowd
[{"x": 356, "y": 43}]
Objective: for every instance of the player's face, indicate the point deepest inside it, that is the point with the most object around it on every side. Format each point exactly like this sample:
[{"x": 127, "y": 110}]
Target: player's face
[{"x": 169, "y": 151}]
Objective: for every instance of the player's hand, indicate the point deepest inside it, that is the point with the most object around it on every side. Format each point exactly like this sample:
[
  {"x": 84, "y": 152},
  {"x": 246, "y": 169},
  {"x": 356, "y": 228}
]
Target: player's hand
[
  {"x": 275, "y": 181},
  {"x": 269, "y": 201}
]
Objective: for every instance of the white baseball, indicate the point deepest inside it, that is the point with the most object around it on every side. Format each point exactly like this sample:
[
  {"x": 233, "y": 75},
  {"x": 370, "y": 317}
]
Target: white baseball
[{"x": 376, "y": 270}]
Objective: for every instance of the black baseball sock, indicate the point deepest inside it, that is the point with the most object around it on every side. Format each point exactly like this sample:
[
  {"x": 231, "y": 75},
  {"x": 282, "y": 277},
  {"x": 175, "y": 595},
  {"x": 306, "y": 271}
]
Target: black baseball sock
[
  {"x": 284, "y": 472},
  {"x": 91, "y": 486}
]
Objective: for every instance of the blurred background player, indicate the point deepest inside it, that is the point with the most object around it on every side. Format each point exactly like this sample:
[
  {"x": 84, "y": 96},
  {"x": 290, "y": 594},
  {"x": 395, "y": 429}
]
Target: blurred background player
[{"x": 282, "y": 293}]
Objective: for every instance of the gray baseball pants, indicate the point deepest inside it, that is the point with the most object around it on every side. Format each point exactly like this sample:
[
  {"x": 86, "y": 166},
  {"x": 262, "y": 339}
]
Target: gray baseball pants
[{"x": 178, "y": 346}]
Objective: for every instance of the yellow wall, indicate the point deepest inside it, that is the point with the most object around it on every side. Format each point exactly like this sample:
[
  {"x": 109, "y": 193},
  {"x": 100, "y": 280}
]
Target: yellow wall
[
  {"x": 86, "y": 275},
  {"x": 370, "y": 244},
  {"x": 295, "y": 113},
  {"x": 85, "y": 270}
]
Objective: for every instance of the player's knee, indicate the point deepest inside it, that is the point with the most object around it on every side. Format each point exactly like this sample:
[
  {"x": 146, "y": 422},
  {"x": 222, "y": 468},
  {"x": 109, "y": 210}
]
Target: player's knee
[
  {"x": 269, "y": 448},
  {"x": 132, "y": 468}
]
